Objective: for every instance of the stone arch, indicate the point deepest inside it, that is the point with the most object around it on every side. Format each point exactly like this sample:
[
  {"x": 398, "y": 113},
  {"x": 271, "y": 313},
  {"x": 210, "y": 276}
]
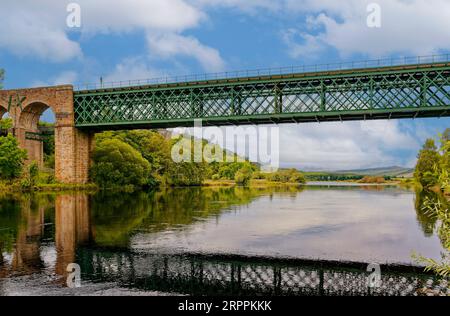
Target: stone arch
[
  {"x": 27, "y": 125},
  {"x": 72, "y": 146},
  {"x": 3, "y": 111},
  {"x": 31, "y": 113}
]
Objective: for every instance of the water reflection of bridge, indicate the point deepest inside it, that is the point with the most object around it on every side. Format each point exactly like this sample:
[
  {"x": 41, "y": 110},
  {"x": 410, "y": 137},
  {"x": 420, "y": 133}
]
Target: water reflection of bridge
[
  {"x": 82, "y": 234},
  {"x": 234, "y": 275}
]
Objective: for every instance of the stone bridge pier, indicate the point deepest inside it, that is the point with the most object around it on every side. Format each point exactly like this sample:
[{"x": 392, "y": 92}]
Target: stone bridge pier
[{"x": 72, "y": 146}]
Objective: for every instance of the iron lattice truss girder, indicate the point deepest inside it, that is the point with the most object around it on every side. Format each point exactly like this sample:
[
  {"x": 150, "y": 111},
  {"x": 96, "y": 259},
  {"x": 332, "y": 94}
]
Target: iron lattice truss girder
[{"x": 376, "y": 94}]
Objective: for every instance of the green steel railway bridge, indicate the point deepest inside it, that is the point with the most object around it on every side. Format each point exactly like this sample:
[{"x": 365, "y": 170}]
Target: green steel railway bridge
[
  {"x": 405, "y": 91},
  {"x": 416, "y": 87}
]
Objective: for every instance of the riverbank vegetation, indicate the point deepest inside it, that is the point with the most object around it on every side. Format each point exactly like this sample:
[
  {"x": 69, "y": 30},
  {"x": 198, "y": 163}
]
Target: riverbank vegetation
[
  {"x": 134, "y": 160},
  {"x": 433, "y": 166},
  {"x": 432, "y": 173},
  {"x": 152, "y": 164}
]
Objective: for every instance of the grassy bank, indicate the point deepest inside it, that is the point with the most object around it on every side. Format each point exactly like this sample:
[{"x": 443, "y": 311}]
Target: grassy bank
[{"x": 16, "y": 187}]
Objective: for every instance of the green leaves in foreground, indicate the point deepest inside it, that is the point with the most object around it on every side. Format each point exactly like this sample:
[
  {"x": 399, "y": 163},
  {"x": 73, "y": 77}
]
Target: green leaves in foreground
[
  {"x": 6, "y": 123},
  {"x": 442, "y": 268},
  {"x": 439, "y": 209},
  {"x": 12, "y": 158}
]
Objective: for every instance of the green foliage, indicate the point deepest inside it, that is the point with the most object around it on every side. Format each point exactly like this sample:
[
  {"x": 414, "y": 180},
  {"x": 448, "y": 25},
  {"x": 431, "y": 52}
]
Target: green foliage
[
  {"x": 243, "y": 176},
  {"x": 6, "y": 123},
  {"x": 152, "y": 146},
  {"x": 433, "y": 168},
  {"x": 48, "y": 146},
  {"x": 321, "y": 176},
  {"x": 11, "y": 158},
  {"x": 157, "y": 150},
  {"x": 10, "y": 221},
  {"x": 372, "y": 179},
  {"x": 33, "y": 171},
  {"x": 228, "y": 170},
  {"x": 297, "y": 177},
  {"x": 31, "y": 177},
  {"x": 428, "y": 163},
  {"x": 119, "y": 165},
  {"x": 185, "y": 174},
  {"x": 444, "y": 176},
  {"x": 438, "y": 208},
  {"x": 287, "y": 176}
]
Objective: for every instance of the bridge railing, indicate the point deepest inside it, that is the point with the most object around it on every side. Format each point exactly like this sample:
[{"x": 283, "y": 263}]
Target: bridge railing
[{"x": 263, "y": 72}]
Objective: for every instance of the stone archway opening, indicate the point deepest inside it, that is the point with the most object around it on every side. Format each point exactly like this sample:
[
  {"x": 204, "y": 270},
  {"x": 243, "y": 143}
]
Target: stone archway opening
[
  {"x": 35, "y": 129},
  {"x": 5, "y": 121}
]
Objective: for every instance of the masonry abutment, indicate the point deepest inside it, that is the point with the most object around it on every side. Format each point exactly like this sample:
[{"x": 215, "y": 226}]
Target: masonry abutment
[{"x": 72, "y": 146}]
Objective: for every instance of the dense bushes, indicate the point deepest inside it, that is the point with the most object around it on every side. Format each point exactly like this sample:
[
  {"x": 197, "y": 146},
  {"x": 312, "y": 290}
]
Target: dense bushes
[
  {"x": 128, "y": 160},
  {"x": 119, "y": 165},
  {"x": 433, "y": 165},
  {"x": 372, "y": 180},
  {"x": 287, "y": 176},
  {"x": 243, "y": 176},
  {"x": 12, "y": 158}
]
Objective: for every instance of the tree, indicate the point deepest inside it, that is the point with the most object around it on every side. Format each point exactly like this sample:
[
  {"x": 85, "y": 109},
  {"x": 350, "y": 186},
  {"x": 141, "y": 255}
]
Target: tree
[
  {"x": 118, "y": 165},
  {"x": 12, "y": 158},
  {"x": 428, "y": 164},
  {"x": 152, "y": 146},
  {"x": 31, "y": 177},
  {"x": 243, "y": 176},
  {"x": 185, "y": 174},
  {"x": 297, "y": 177},
  {"x": 49, "y": 146},
  {"x": 446, "y": 136},
  {"x": 6, "y": 123},
  {"x": 287, "y": 175},
  {"x": 444, "y": 177}
]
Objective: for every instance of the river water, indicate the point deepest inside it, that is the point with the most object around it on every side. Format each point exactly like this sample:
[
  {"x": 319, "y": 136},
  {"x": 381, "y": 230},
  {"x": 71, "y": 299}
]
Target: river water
[{"x": 284, "y": 240}]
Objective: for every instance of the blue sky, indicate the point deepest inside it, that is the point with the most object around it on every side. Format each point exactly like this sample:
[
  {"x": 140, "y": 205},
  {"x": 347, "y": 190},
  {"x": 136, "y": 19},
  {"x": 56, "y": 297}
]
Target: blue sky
[{"x": 136, "y": 39}]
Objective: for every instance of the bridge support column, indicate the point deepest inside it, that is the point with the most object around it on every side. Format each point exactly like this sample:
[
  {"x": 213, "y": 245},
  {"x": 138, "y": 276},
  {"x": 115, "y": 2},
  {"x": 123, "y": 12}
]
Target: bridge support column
[
  {"x": 72, "y": 146},
  {"x": 72, "y": 161}
]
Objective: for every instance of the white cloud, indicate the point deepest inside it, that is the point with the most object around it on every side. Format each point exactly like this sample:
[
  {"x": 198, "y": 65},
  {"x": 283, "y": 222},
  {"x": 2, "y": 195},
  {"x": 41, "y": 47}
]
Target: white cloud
[
  {"x": 349, "y": 145},
  {"x": 66, "y": 77},
  {"x": 33, "y": 29},
  {"x": 247, "y": 6},
  {"x": 170, "y": 45},
  {"x": 132, "y": 69},
  {"x": 37, "y": 29},
  {"x": 121, "y": 16},
  {"x": 408, "y": 27},
  {"x": 63, "y": 78},
  {"x": 415, "y": 27},
  {"x": 335, "y": 146},
  {"x": 310, "y": 46}
]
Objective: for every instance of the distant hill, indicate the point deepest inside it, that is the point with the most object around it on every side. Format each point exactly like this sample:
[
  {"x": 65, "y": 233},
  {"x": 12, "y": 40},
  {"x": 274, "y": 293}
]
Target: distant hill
[{"x": 394, "y": 171}]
